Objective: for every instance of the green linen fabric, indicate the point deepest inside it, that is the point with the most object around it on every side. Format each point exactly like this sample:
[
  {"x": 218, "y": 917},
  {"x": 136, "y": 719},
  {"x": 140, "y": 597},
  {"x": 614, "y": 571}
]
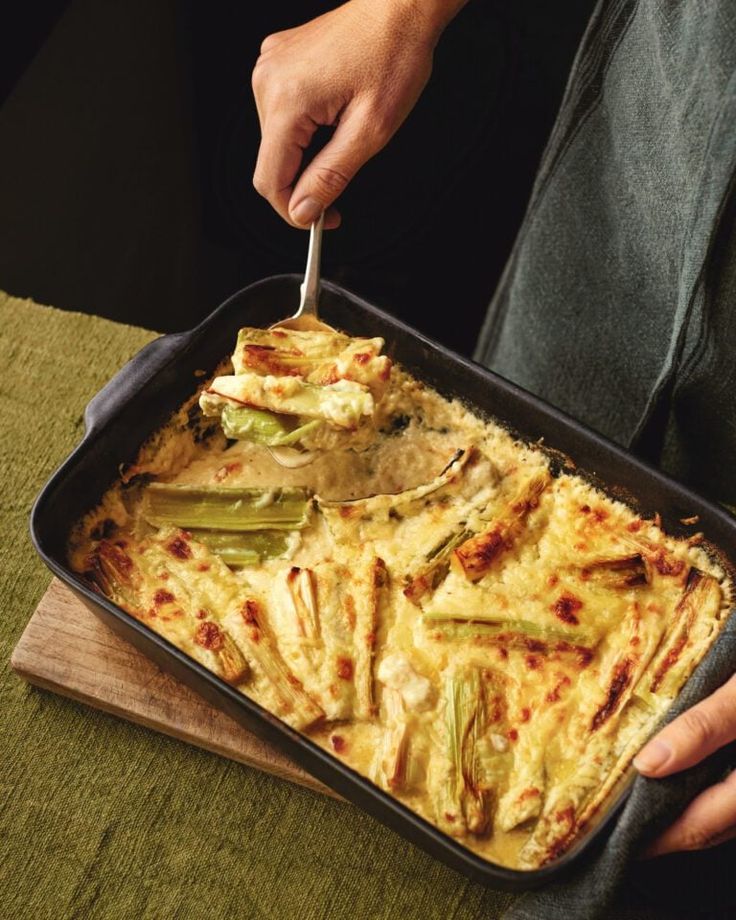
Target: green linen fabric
[{"x": 100, "y": 818}]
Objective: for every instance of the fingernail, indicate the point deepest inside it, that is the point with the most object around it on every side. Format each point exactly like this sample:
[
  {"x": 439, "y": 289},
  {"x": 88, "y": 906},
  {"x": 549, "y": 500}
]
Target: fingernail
[
  {"x": 306, "y": 212},
  {"x": 655, "y": 755}
]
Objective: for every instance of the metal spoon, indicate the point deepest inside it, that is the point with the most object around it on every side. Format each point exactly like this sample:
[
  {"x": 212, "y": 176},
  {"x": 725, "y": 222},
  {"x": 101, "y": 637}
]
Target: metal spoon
[{"x": 305, "y": 319}]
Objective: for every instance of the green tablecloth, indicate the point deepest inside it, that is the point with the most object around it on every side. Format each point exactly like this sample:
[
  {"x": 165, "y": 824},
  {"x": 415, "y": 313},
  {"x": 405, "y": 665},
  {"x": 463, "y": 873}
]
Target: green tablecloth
[{"x": 101, "y": 818}]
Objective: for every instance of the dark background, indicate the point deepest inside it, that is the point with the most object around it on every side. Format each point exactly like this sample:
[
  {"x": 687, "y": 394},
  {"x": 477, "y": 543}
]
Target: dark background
[{"x": 128, "y": 138}]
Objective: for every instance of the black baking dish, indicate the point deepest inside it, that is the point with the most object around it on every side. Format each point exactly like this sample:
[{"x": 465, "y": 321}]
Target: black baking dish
[{"x": 165, "y": 373}]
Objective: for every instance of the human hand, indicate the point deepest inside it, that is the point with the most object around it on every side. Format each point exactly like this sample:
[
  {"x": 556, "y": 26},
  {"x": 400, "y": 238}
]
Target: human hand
[
  {"x": 710, "y": 818},
  {"x": 361, "y": 68}
]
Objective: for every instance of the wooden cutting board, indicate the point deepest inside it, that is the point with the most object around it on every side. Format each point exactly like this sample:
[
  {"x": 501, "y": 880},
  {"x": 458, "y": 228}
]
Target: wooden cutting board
[{"x": 65, "y": 648}]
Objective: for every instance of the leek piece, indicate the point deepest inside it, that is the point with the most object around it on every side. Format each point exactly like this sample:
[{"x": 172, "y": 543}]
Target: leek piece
[
  {"x": 436, "y": 566},
  {"x": 304, "y": 601},
  {"x": 291, "y": 346},
  {"x": 369, "y": 580},
  {"x": 394, "y": 750},
  {"x": 479, "y": 624},
  {"x": 464, "y": 723},
  {"x": 248, "y": 548},
  {"x": 235, "y": 669},
  {"x": 246, "y": 424},
  {"x": 343, "y": 404},
  {"x": 129, "y": 585},
  {"x": 476, "y": 556},
  {"x": 700, "y": 603},
  {"x": 221, "y": 508},
  {"x": 617, "y": 572}
]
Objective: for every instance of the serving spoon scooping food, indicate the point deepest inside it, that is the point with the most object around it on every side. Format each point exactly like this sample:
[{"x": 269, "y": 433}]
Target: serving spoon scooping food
[{"x": 305, "y": 320}]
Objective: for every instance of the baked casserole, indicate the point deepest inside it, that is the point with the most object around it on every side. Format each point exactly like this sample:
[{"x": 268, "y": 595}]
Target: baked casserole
[{"x": 452, "y": 612}]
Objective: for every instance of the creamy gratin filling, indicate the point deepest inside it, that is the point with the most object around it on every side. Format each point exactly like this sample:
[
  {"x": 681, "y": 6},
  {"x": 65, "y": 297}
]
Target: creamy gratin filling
[{"x": 484, "y": 635}]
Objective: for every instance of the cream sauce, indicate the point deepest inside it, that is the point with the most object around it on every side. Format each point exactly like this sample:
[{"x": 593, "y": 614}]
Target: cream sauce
[{"x": 546, "y": 698}]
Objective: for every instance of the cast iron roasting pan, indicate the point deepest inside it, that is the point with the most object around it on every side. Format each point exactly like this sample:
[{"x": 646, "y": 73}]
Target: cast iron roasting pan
[{"x": 141, "y": 397}]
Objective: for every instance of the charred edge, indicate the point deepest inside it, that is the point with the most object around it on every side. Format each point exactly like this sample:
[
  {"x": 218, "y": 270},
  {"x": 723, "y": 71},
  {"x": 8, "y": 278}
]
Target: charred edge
[
  {"x": 622, "y": 675},
  {"x": 266, "y": 358},
  {"x": 479, "y": 552},
  {"x": 673, "y": 655}
]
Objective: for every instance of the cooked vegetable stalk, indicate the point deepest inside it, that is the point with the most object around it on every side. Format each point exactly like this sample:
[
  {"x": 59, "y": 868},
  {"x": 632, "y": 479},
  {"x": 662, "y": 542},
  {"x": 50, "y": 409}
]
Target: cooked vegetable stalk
[
  {"x": 699, "y": 605},
  {"x": 475, "y": 624},
  {"x": 304, "y": 599},
  {"x": 659, "y": 560},
  {"x": 206, "y": 585},
  {"x": 466, "y": 802},
  {"x": 476, "y": 556},
  {"x": 616, "y": 572},
  {"x": 312, "y": 346},
  {"x": 247, "y": 548},
  {"x": 517, "y": 767},
  {"x": 435, "y": 567},
  {"x": 293, "y": 704},
  {"x": 560, "y": 816},
  {"x": 220, "y": 508},
  {"x": 130, "y": 579},
  {"x": 319, "y": 358},
  {"x": 370, "y": 582},
  {"x": 261, "y": 427},
  {"x": 234, "y": 666},
  {"x": 394, "y": 751},
  {"x": 343, "y": 404},
  {"x": 111, "y": 569}
]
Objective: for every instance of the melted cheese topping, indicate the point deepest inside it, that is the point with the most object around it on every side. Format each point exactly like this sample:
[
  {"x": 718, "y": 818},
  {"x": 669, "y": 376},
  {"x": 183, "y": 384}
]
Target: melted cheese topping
[{"x": 486, "y": 641}]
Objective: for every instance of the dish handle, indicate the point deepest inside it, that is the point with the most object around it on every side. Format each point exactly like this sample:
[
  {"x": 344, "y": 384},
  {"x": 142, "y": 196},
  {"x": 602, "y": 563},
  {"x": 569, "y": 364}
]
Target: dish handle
[{"x": 139, "y": 370}]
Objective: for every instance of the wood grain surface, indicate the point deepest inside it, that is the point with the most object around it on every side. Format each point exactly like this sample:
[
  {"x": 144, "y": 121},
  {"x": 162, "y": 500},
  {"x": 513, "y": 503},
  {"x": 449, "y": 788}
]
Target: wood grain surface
[{"x": 66, "y": 649}]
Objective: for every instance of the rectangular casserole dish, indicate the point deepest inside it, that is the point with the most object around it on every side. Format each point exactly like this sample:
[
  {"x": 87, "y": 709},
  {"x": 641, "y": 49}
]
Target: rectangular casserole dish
[{"x": 141, "y": 397}]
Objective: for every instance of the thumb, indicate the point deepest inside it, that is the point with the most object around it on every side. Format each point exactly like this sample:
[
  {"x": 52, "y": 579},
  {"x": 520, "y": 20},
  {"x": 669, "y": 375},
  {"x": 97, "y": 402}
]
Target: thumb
[
  {"x": 354, "y": 142},
  {"x": 692, "y": 736}
]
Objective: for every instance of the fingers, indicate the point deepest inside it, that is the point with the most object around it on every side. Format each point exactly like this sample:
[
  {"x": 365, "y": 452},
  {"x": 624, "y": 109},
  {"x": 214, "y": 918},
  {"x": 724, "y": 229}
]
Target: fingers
[
  {"x": 694, "y": 735},
  {"x": 279, "y": 157},
  {"x": 710, "y": 819},
  {"x": 354, "y": 142}
]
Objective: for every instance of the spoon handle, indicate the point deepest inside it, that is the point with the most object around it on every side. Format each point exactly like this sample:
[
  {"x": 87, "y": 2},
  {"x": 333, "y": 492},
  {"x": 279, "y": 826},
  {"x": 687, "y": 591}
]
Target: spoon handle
[{"x": 310, "y": 286}]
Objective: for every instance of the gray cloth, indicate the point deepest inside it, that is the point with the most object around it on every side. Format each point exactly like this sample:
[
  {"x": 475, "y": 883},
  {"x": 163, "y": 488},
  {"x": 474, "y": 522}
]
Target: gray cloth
[{"x": 617, "y": 303}]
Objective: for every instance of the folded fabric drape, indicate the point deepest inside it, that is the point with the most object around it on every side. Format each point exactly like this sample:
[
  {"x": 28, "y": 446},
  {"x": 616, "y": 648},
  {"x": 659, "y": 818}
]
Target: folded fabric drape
[{"x": 616, "y": 302}]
